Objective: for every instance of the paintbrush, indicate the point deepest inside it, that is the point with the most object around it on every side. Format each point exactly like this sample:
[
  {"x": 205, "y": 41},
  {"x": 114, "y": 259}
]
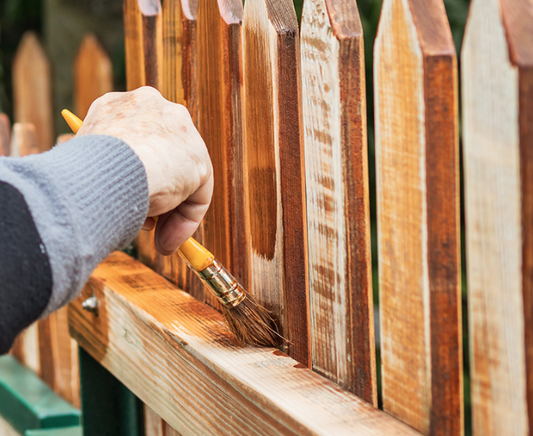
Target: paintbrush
[{"x": 250, "y": 322}]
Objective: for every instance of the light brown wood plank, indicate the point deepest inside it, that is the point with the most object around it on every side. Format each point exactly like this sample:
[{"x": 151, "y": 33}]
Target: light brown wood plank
[
  {"x": 418, "y": 207},
  {"x": 93, "y": 74},
  {"x": 24, "y": 140},
  {"x": 220, "y": 124},
  {"x": 6, "y": 429},
  {"x": 163, "y": 344},
  {"x": 497, "y": 77},
  {"x": 172, "y": 82},
  {"x": 274, "y": 167},
  {"x": 338, "y": 216},
  {"x": 155, "y": 426},
  {"x": 32, "y": 92},
  {"x": 5, "y": 135}
]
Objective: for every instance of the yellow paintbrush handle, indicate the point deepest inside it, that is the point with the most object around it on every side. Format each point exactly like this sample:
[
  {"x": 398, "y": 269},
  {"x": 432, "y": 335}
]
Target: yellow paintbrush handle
[
  {"x": 191, "y": 250},
  {"x": 72, "y": 120}
]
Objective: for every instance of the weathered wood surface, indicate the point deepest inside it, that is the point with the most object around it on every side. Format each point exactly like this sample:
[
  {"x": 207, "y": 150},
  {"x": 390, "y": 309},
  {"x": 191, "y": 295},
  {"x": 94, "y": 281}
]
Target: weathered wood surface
[
  {"x": 5, "y": 135},
  {"x": 497, "y": 87},
  {"x": 220, "y": 124},
  {"x": 163, "y": 344},
  {"x": 172, "y": 82},
  {"x": 418, "y": 208},
  {"x": 274, "y": 168},
  {"x": 32, "y": 94},
  {"x": 93, "y": 74},
  {"x": 143, "y": 38},
  {"x": 338, "y": 216},
  {"x": 24, "y": 140},
  {"x": 155, "y": 426}
]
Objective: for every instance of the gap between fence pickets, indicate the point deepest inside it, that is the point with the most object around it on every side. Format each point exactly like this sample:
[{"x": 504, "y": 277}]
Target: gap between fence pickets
[{"x": 163, "y": 344}]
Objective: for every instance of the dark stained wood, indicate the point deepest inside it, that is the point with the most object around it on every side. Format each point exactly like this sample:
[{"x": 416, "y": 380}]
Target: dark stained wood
[
  {"x": 338, "y": 217},
  {"x": 275, "y": 188},
  {"x": 181, "y": 350},
  {"x": 220, "y": 124},
  {"x": 418, "y": 211}
]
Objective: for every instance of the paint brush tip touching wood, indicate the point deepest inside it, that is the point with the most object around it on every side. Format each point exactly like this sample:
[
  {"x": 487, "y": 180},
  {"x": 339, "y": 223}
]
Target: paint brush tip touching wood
[{"x": 251, "y": 323}]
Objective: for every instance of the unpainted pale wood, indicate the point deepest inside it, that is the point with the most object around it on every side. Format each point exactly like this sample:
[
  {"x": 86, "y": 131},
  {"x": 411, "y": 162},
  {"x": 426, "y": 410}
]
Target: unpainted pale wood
[
  {"x": 338, "y": 217},
  {"x": 24, "y": 140},
  {"x": 274, "y": 168},
  {"x": 5, "y": 135},
  {"x": 497, "y": 86},
  {"x": 220, "y": 124},
  {"x": 93, "y": 74},
  {"x": 177, "y": 356},
  {"x": 155, "y": 426},
  {"x": 418, "y": 208},
  {"x": 32, "y": 92}
]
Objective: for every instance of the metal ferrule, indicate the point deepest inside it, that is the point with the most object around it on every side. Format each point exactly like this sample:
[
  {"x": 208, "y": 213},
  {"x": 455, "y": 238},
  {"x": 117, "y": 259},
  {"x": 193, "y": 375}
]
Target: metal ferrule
[{"x": 223, "y": 284}]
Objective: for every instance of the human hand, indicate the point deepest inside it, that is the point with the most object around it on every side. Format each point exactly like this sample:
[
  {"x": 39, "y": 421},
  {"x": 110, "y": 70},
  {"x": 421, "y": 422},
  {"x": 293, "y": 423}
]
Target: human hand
[{"x": 177, "y": 164}]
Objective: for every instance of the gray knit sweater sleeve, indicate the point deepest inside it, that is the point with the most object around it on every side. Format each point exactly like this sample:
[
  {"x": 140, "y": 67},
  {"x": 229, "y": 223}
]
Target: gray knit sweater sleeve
[{"x": 87, "y": 197}]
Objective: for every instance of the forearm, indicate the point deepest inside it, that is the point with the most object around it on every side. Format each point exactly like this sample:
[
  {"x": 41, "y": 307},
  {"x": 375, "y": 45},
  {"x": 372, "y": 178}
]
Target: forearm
[{"x": 86, "y": 198}]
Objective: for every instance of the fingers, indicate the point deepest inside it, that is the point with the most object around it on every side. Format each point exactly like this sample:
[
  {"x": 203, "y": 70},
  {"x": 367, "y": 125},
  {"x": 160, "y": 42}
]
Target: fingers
[
  {"x": 175, "y": 227},
  {"x": 149, "y": 223}
]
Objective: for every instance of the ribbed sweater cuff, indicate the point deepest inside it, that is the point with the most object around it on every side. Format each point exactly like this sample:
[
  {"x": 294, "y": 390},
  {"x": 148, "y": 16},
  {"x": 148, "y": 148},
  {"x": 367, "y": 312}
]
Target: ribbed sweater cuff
[{"x": 88, "y": 197}]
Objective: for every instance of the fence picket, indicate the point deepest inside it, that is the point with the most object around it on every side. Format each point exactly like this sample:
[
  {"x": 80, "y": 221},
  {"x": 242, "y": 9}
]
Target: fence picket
[
  {"x": 93, "y": 74},
  {"x": 338, "y": 217},
  {"x": 418, "y": 207},
  {"x": 275, "y": 177},
  {"x": 5, "y": 135},
  {"x": 497, "y": 78},
  {"x": 32, "y": 92},
  {"x": 220, "y": 124}
]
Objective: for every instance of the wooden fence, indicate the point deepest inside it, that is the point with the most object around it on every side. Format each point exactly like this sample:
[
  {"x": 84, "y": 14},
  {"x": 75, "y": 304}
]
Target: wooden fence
[{"x": 283, "y": 112}]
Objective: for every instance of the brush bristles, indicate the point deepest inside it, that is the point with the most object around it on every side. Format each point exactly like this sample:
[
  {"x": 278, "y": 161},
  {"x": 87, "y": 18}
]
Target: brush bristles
[{"x": 252, "y": 324}]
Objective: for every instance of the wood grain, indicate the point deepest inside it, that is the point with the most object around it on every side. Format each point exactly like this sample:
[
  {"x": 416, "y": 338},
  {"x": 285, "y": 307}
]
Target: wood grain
[
  {"x": 143, "y": 38},
  {"x": 177, "y": 356},
  {"x": 220, "y": 124},
  {"x": 93, "y": 74},
  {"x": 172, "y": 82},
  {"x": 155, "y": 426},
  {"x": 32, "y": 92},
  {"x": 418, "y": 207},
  {"x": 338, "y": 217},
  {"x": 274, "y": 168},
  {"x": 5, "y": 135},
  {"x": 497, "y": 77}
]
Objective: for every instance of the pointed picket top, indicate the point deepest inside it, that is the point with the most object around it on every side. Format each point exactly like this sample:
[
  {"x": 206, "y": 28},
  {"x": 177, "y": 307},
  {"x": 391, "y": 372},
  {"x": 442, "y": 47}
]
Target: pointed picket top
[
  {"x": 5, "y": 135},
  {"x": 32, "y": 91},
  {"x": 416, "y": 125},
  {"x": 338, "y": 210},
  {"x": 93, "y": 74}
]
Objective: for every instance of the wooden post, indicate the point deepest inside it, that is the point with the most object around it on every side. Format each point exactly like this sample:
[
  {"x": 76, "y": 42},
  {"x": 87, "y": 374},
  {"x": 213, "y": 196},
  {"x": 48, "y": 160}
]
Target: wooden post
[
  {"x": 32, "y": 95},
  {"x": 497, "y": 78},
  {"x": 220, "y": 124},
  {"x": 418, "y": 216},
  {"x": 24, "y": 140},
  {"x": 143, "y": 40},
  {"x": 5, "y": 135},
  {"x": 93, "y": 74},
  {"x": 274, "y": 162},
  {"x": 338, "y": 216}
]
